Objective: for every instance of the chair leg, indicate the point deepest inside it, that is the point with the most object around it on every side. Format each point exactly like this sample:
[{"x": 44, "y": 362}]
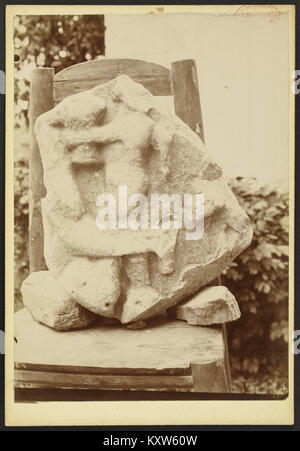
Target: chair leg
[
  {"x": 210, "y": 377},
  {"x": 226, "y": 358}
]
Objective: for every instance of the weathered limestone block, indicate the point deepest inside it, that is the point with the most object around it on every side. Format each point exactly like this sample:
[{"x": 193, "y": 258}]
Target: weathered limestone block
[
  {"x": 114, "y": 141},
  {"x": 212, "y": 305},
  {"x": 50, "y": 305}
]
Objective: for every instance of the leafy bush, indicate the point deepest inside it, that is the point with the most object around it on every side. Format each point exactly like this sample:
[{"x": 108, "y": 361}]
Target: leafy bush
[
  {"x": 21, "y": 227},
  {"x": 57, "y": 41},
  {"x": 259, "y": 280}
]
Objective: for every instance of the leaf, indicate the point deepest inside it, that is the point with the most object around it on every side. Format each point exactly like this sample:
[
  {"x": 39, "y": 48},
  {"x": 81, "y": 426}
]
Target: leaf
[
  {"x": 284, "y": 249},
  {"x": 260, "y": 205},
  {"x": 264, "y": 287},
  {"x": 254, "y": 268}
]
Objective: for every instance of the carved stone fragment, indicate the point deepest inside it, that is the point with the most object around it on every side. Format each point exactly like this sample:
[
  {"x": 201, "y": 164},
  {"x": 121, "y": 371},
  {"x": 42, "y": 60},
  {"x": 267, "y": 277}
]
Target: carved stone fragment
[
  {"x": 212, "y": 305},
  {"x": 106, "y": 154}
]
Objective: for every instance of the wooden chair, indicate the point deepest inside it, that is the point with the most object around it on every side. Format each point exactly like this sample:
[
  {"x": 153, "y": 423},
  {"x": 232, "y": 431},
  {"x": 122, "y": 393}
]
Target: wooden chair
[{"x": 168, "y": 357}]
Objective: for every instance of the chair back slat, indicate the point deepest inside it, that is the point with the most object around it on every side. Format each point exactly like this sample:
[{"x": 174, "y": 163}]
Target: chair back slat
[{"x": 83, "y": 76}]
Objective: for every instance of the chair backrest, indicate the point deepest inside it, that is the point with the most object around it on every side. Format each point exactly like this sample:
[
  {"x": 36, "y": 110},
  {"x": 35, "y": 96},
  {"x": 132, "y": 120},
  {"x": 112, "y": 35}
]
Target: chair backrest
[
  {"x": 82, "y": 76},
  {"x": 180, "y": 81},
  {"x": 48, "y": 89}
]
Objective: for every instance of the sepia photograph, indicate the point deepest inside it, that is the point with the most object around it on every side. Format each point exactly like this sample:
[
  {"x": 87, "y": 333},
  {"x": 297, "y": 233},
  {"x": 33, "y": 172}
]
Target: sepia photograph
[{"x": 152, "y": 183}]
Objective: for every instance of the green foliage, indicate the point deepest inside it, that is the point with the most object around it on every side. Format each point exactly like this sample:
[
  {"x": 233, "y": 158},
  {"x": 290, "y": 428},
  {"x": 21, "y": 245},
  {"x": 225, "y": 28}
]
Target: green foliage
[
  {"x": 52, "y": 41},
  {"x": 21, "y": 227},
  {"x": 259, "y": 280}
]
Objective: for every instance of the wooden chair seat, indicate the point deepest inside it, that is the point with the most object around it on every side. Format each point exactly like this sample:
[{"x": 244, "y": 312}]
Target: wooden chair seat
[{"x": 172, "y": 356}]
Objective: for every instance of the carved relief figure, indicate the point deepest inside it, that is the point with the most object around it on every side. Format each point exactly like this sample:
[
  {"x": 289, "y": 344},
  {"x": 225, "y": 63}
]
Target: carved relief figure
[{"x": 93, "y": 143}]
